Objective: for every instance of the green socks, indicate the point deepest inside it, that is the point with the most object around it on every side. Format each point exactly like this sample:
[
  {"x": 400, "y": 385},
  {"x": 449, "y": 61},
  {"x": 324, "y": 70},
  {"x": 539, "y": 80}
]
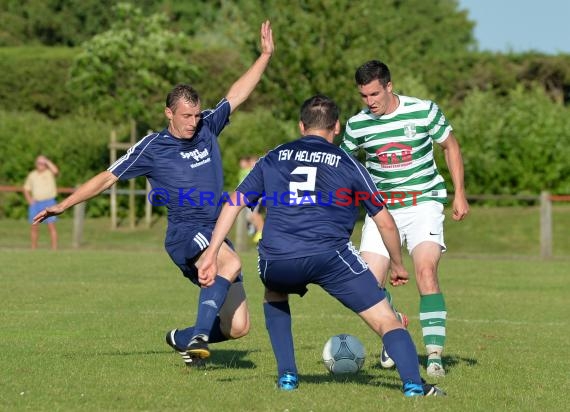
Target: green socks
[{"x": 432, "y": 319}]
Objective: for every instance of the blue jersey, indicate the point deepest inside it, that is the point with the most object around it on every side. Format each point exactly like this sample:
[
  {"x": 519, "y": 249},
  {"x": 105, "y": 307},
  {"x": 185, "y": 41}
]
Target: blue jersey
[
  {"x": 312, "y": 191},
  {"x": 186, "y": 173}
]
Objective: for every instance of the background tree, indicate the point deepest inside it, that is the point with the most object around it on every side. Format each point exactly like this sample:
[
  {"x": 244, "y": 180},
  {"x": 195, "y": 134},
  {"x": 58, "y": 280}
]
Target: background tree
[
  {"x": 515, "y": 144},
  {"x": 126, "y": 71},
  {"x": 320, "y": 43}
]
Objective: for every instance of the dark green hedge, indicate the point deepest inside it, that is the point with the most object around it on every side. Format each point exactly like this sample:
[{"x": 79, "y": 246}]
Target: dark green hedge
[{"x": 34, "y": 79}]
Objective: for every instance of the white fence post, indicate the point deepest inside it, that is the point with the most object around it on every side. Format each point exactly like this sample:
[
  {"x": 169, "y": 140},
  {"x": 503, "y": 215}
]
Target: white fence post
[{"x": 545, "y": 225}]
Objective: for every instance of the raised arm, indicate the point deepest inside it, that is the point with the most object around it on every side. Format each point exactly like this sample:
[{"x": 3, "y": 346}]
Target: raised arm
[
  {"x": 86, "y": 191},
  {"x": 207, "y": 263},
  {"x": 242, "y": 88},
  {"x": 50, "y": 165},
  {"x": 455, "y": 165}
]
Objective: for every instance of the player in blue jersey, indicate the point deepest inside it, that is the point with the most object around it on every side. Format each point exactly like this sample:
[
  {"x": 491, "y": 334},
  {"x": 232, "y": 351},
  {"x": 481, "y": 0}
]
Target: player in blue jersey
[
  {"x": 312, "y": 190},
  {"x": 184, "y": 166}
]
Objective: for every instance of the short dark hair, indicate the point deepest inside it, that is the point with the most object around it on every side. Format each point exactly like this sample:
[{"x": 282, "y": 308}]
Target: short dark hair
[
  {"x": 319, "y": 112},
  {"x": 182, "y": 91},
  {"x": 372, "y": 70}
]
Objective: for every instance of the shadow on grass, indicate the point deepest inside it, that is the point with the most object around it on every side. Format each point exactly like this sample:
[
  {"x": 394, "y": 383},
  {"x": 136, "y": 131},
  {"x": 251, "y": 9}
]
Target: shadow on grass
[
  {"x": 226, "y": 358},
  {"x": 221, "y": 358},
  {"x": 450, "y": 362},
  {"x": 360, "y": 378},
  {"x": 127, "y": 353},
  {"x": 368, "y": 376}
]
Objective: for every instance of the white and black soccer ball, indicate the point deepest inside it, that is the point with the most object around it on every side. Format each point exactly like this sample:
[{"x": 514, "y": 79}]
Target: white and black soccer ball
[{"x": 343, "y": 354}]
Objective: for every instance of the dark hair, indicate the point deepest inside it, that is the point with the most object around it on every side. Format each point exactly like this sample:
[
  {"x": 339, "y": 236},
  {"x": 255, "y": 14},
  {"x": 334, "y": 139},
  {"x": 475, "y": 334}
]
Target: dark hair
[
  {"x": 182, "y": 91},
  {"x": 319, "y": 112},
  {"x": 372, "y": 70}
]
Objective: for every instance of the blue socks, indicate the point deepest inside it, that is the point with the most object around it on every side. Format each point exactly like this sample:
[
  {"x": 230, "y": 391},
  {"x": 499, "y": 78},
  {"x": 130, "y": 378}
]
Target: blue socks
[
  {"x": 211, "y": 300},
  {"x": 183, "y": 336},
  {"x": 401, "y": 349},
  {"x": 278, "y": 324}
]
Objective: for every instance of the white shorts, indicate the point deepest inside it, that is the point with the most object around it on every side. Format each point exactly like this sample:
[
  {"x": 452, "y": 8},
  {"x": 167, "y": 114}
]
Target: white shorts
[{"x": 417, "y": 224}]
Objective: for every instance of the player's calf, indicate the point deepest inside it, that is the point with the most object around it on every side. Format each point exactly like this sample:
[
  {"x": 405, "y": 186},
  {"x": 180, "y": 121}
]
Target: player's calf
[
  {"x": 385, "y": 360},
  {"x": 433, "y": 316},
  {"x": 234, "y": 314}
]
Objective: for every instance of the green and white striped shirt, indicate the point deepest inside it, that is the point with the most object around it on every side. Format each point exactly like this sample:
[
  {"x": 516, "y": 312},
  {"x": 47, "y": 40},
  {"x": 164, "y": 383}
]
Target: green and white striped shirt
[{"x": 399, "y": 150}]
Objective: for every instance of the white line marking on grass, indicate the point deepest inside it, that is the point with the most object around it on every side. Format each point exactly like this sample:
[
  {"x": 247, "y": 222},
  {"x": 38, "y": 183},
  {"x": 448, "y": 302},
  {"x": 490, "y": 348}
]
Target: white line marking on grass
[
  {"x": 509, "y": 322},
  {"x": 502, "y": 321},
  {"x": 313, "y": 316}
]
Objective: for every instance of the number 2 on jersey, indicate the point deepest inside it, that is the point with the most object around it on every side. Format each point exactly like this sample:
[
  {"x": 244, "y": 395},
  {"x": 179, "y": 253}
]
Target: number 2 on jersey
[{"x": 308, "y": 185}]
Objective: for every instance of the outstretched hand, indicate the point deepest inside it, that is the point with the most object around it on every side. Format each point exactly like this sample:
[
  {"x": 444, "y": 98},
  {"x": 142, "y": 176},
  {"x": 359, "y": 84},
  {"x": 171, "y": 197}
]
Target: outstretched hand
[
  {"x": 47, "y": 212},
  {"x": 207, "y": 268},
  {"x": 267, "y": 46}
]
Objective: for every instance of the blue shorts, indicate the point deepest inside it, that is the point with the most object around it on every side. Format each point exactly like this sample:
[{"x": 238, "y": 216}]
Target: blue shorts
[
  {"x": 185, "y": 244},
  {"x": 37, "y": 207},
  {"x": 342, "y": 273}
]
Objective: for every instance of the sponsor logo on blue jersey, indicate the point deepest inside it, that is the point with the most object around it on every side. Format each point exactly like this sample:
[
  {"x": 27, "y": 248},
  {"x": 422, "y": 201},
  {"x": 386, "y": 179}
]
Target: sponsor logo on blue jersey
[{"x": 196, "y": 154}]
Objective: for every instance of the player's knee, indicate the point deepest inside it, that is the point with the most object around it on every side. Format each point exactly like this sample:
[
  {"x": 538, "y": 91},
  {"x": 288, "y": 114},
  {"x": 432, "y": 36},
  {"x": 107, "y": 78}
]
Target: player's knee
[
  {"x": 231, "y": 266},
  {"x": 427, "y": 273},
  {"x": 381, "y": 318},
  {"x": 240, "y": 327},
  {"x": 427, "y": 280}
]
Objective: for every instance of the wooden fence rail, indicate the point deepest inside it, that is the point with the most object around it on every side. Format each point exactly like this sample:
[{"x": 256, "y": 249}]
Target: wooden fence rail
[{"x": 545, "y": 200}]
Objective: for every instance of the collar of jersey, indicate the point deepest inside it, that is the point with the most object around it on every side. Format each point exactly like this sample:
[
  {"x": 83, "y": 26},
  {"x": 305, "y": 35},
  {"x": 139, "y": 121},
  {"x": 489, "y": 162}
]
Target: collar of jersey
[{"x": 314, "y": 137}]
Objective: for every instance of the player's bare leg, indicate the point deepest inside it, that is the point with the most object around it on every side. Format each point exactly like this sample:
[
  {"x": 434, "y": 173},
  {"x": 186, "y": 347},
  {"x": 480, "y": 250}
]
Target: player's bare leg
[
  {"x": 381, "y": 318},
  {"x": 378, "y": 265},
  {"x": 229, "y": 263},
  {"x": 433, "y": 312},
  {"x": 34, "y": 234},
  {"x": 426, "y": 257},
  {"x": 234, "y": 314},
  {"x": 53, "y": 235},
  {"x": 278, "y": 323}
]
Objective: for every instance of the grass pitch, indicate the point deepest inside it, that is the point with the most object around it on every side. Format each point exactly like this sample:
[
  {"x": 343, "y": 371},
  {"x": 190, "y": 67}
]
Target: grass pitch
[{"x": 84, "y": 330}]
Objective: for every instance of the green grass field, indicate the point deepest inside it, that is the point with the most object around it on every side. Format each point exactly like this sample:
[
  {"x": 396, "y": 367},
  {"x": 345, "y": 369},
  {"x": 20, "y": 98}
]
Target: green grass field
[{"x": 84, "y": 330}]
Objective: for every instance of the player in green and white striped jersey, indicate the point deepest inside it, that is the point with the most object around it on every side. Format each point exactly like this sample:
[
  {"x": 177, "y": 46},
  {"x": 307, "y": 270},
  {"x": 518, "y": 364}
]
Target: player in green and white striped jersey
[{"x": 397, "y": 134}]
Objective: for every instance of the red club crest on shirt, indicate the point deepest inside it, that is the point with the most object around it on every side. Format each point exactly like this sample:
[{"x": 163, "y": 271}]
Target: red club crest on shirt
[{"x": 394, "y": 155}]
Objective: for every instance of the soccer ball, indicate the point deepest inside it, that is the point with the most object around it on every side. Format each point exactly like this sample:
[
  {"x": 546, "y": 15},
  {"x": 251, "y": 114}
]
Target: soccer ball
[{"x": 343, "y": 354}]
